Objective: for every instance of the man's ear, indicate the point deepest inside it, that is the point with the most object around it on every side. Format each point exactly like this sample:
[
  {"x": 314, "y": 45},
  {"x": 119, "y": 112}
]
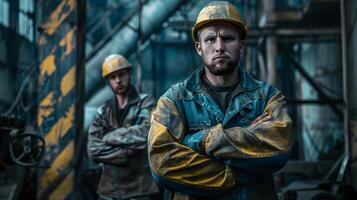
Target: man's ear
[
  {"x": 198, "y": 48},
  {"x": 241, "y": 46}
]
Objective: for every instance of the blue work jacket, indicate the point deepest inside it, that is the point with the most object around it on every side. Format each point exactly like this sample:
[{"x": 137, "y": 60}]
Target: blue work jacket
[{"x": 196, "y": 151}]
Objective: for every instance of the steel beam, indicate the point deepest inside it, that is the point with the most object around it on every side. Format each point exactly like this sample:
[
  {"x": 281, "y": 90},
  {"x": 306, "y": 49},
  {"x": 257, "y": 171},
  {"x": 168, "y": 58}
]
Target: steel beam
[
  {"x": 312, "y": 101},
  {"x": 154, "y": 14},
  {"x": 320, "y": 92}
]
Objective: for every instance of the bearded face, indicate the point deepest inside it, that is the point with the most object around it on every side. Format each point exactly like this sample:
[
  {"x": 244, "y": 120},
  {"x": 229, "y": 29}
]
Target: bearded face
[
  {"x": 219, "y": 47},
  {"x": 119, "y": 81}
]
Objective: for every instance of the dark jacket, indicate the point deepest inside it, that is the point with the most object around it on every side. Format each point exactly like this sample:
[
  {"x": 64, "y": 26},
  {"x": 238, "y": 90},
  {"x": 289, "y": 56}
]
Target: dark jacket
[
  {"x": 122, "y": 150},
  {"x": 198, "y": 152}
]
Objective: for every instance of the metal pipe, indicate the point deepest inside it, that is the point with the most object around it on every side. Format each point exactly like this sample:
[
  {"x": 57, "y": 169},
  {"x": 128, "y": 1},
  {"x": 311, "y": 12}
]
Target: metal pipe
[
  {"x": 154, "y": 14},
  {"x": 271, "y": 52},
  {"x": 108, "y": 37},
  {"x": 320, "y": 92},
  {"x": 153, "y": 70},
  {"x": 346, "y": 121},
  {"x": 312, "y": 101},
  {"x": 262, "y": 67},
  {"x": 268, "y": 20},
  {"x": 139, "y": 65},
  {"x": 256, "y": 32},
  {"x": 280, "y": 31},
  {"x": 79, "y": 137}
]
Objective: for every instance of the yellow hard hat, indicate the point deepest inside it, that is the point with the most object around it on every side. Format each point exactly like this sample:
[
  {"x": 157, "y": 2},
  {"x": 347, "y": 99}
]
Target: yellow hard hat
[
  {"x": 114, "y": 63},
  {"x": 219, "y": 11}
]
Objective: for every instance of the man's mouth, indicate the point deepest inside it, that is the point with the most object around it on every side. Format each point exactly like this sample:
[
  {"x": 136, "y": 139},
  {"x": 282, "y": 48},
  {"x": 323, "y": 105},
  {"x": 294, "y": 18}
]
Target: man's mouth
[{"x": 220, "y": 57}]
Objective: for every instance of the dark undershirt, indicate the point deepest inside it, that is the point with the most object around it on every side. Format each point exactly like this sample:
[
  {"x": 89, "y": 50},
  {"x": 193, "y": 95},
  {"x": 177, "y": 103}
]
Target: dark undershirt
[
  {"x": 121, "y": 113},
  {"x": 221, "y": 95}
]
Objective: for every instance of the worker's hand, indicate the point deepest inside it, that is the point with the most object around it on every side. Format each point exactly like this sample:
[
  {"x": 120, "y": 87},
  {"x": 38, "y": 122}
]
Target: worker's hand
[{"x": 262, "y": 118}]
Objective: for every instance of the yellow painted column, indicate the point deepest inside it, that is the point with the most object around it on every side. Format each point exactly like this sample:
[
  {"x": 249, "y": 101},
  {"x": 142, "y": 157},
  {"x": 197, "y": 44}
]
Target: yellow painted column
[{"x": 57, "y": 99}]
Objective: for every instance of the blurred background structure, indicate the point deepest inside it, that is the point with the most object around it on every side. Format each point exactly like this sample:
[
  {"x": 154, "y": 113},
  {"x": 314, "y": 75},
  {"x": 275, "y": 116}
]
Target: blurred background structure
[{"x": 50, "y": 84}]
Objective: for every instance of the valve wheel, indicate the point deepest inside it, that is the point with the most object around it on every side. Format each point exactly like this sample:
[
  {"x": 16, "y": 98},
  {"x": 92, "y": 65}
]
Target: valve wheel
[{"x": 27, "y": 149}]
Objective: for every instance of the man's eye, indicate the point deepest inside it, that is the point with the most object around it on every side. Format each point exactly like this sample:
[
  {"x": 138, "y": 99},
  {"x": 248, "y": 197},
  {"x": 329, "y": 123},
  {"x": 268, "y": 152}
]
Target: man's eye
[
  {"x": 211, "y": 39},
  {"x": 228, "y": 38}
]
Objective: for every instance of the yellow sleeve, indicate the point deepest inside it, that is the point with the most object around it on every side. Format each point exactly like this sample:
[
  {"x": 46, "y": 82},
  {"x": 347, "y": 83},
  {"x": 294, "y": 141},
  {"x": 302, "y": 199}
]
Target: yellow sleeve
[
  {"x": 267, "y": 139},
  {"x": 177, "y": 166}
]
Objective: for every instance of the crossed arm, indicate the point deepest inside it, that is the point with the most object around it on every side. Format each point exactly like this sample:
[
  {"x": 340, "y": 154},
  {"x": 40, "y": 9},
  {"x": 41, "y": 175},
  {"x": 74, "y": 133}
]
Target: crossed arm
[
  {"x": 204, "y": 161},
  {"x": 177, "y": 166},
  {"x": 114, "y": 146},
  {"x": 265, "y": 142},
  {"x": 133, "y": 137},
  {"x": 99, "y": 151}
]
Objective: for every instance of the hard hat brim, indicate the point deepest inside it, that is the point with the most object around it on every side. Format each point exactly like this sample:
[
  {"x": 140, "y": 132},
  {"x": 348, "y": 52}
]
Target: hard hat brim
[
  {"x": 243, "y": 28},
  {"x": 106, "y": 74}
]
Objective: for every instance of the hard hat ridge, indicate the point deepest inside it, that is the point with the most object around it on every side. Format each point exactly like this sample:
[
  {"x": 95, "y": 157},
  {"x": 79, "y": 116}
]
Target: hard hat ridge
[
  {"x": 114, "y": 62},
  {"x": 219, "y": 11}
]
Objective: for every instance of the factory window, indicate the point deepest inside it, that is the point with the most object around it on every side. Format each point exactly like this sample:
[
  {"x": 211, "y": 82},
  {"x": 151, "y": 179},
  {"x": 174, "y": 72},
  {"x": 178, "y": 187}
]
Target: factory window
[
  {"x": 4, "y": 13},
  {"x": 26, "y": 14}
]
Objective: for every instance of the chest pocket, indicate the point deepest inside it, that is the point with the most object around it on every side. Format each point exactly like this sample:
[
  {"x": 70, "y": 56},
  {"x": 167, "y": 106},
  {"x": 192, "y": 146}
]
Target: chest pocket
[
  {"x": 246, "y": 114},
  {"x": 250, "y": 107}
]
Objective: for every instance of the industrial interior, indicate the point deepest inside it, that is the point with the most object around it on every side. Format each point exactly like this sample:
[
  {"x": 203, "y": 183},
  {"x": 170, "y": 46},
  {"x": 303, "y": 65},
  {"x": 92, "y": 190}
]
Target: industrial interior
[{"x": 51, "y": 53}]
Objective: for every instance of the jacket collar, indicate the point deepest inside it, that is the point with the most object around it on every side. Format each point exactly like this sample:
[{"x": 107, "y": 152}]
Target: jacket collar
[
  {"x": 133, "y": 97},
  {"x": 194, "y": 82}
]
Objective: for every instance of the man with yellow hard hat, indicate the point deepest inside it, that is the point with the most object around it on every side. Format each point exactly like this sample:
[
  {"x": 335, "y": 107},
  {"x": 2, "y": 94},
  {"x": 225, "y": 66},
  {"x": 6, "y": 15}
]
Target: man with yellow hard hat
[
  {"x": 220, "y": 134},
  {"x": 117, "y": 137}
]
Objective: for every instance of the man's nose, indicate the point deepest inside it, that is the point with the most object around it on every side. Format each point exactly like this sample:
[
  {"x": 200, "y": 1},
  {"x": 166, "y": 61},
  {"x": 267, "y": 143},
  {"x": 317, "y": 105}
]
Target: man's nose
[
  {"x": 219, "y": 45},
  {"x": 117, "y": 79}
]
